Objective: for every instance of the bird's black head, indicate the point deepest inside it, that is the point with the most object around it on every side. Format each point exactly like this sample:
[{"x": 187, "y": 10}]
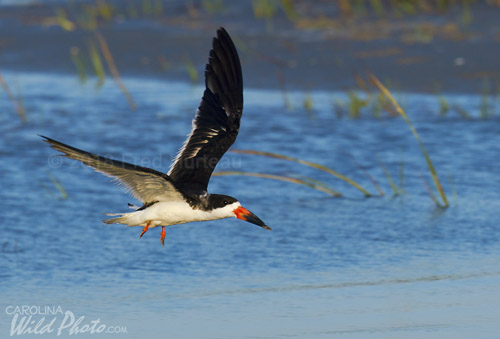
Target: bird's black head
[
  {"x": 220, "y": 200},
  {"x": 231, "y": 207}
]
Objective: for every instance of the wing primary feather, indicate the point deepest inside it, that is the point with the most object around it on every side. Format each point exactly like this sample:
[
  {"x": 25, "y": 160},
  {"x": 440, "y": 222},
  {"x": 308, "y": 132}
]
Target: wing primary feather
[{"x": 217, "y": 120}]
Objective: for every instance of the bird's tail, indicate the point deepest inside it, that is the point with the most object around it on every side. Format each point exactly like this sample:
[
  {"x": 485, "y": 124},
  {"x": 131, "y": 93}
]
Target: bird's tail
[{"x": 124, "y": 218}]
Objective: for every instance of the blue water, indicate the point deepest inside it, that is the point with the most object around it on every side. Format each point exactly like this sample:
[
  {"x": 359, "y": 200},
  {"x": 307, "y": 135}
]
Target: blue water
[{"x": 350, "y": 267}]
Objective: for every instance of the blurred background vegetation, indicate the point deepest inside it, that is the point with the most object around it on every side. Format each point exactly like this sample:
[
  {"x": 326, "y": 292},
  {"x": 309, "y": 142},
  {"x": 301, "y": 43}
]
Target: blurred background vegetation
[{"x": 420, "y": 46}]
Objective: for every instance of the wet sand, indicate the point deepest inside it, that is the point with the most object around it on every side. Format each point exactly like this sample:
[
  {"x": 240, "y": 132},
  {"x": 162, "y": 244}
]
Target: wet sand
[{"x": 436, "y": 52}]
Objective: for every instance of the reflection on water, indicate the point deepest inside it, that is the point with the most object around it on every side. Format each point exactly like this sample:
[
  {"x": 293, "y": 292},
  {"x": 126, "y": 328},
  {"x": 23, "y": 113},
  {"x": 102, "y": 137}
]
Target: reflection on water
[{"x": 348, "y": 267}]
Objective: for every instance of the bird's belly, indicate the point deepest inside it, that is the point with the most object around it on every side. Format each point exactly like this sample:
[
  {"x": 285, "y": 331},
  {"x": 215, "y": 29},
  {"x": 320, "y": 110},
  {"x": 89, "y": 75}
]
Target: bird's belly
[{"x": 172, "y": 213}]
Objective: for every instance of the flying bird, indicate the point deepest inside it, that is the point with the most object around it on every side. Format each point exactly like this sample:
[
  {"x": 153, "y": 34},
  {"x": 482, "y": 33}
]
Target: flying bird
[{"x": 181, "y": 196}]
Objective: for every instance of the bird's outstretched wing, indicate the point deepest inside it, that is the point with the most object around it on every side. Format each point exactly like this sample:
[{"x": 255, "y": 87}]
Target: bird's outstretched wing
[
  {"x": 217, "y": 120},
  {"x": 145, "y": 184}
]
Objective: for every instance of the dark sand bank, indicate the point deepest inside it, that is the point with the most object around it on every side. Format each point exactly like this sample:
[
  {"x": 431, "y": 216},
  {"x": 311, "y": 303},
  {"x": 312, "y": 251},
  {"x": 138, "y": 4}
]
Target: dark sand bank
[{"x": 450, "y": 51}]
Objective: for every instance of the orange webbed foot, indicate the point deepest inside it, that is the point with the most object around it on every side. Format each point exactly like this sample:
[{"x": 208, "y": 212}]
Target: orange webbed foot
[
  {"x": 144, "y": 230},
  {"x": 162, "y": 238}
]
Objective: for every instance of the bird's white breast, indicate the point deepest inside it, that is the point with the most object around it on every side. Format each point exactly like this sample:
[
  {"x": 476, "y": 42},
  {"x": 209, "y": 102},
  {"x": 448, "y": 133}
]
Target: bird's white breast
[{"x": 166, "y": 213}]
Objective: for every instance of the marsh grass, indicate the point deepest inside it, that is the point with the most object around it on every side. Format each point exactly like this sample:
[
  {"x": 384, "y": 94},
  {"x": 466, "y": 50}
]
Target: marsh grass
[
  {"x": 113, "y": 69},
  {"x": 77, "y": 59},
  {"x": 147, "y": 8},
  {"x": 286, "y": 100},
  {"x": 104, "y": 10},
  {"x": 18, "y": 102},
  {"x": 432, "y": 170},
  {"x": 309, "y": 182},
  {"x": 392, "y": 18},
  {"x": 461, "y": 112},
  {"x": 401, "y": 176},
  {"x": 466, "y": 17},
  {"x": 88, "y": 19},
  {"x": 429, "y": 191},
  {"x": 63, "y": 21},
  {"x": 46, "y": 188},
  {"x": 444, "y": 107},
  {"x": 365, "y": 172},
  {"x": 92, "y": 14},
  {"x": 306, "y": 163},
  {"x": 378, "y": 7},
  {"x": 388, "y": 176},
  {"x": 290, "y": 11},
  {"x": 191, "y": 71},
  {"x": 213, "y": 6},
  {"x": 453, "y": 189},
  {"x": 265, "y": 9},
  {"x": 356, "y": 104},
  {"x": 308, "y": 102},
  {"x": 97, "y": 63},
  {"x": 316, "y": 182},
  {"x": 485, "y": 107},
  {"x": 57, "y": 185}
]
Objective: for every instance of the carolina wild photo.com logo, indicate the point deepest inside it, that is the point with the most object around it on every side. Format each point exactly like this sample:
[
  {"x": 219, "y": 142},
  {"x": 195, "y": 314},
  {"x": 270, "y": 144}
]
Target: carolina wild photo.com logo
[{"x": 34, "y": 319}]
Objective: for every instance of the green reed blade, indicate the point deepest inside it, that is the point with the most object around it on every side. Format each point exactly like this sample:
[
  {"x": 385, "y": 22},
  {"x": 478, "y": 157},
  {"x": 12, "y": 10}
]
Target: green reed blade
[
  {"x": 388, "y": 94},
  {"x": 192, "y": 72},
  {"x": 389, "y": 179},
  {"x": 429, "y": 191},
  {"x": 58, "y": 185},
  {"x": 17, "y": 103},
  {"x": 307, "y": 163},
  {"x": 321, "y": 188},
  {"x": 76, "y": 57},
  {"x": 373, "y": 181},
  {"x": 113, "y": 69},
  {"x": 97, "y": 63}
]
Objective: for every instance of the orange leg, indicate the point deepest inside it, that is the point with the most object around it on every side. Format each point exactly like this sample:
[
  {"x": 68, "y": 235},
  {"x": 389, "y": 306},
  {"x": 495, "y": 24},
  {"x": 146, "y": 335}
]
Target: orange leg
[
  {"x": 144, "y": 230},
  {"x": 162, "y": 238}
]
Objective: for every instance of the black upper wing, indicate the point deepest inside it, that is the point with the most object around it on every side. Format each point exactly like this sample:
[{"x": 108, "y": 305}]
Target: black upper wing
[{"x": 217, "y": 120}]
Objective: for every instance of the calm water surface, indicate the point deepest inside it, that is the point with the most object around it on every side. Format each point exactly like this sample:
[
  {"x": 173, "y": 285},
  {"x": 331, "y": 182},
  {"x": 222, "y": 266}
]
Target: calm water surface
[{"x": 348, "y": 267}]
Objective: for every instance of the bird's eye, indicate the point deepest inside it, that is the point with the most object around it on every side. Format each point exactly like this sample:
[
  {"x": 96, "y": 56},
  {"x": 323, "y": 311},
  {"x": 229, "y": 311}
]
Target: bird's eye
[{"x": 225, "y": 202}]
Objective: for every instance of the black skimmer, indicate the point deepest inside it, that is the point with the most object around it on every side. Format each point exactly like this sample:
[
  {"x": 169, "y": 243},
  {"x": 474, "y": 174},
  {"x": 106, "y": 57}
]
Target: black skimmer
[{"x": 181, "y": 195}]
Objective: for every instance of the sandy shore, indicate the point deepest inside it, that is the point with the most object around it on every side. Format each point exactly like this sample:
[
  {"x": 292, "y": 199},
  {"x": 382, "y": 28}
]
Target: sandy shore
[{"x": 431, "y": 52}]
